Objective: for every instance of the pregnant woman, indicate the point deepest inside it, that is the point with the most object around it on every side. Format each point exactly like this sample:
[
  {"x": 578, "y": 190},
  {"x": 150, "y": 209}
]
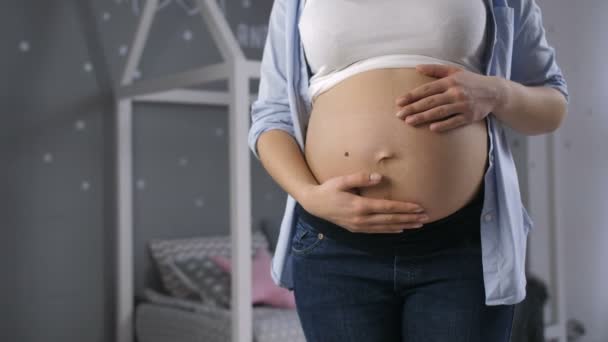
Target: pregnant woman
[{"x": 416, "y": 93}]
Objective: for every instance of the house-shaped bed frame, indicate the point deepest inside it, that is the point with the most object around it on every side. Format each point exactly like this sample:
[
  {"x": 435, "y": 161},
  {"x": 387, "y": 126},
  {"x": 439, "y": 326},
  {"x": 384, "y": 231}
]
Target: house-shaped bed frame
[{"x": 237, "y": 70}]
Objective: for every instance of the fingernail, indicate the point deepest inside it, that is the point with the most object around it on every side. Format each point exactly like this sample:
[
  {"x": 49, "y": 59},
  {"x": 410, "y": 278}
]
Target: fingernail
[
  {"x": 374, "y": 177},
  {"x": 398, "y": 114},
  {"x": 423, "y": 218},
  {"x": 419, "y": 210}
]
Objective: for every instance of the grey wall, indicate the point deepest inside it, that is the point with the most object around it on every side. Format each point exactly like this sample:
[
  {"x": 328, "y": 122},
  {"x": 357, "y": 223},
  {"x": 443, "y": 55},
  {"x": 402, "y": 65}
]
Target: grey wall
[
  {"x": 58, "y": 64},
  {"x": 579, "y": 30}
]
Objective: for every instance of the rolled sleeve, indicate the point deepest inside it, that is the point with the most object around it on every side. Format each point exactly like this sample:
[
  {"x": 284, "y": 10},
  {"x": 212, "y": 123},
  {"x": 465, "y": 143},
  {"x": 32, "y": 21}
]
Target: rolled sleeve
[
  {"x": 534, "y": 60},
  {"x": 271, "y": 109}
]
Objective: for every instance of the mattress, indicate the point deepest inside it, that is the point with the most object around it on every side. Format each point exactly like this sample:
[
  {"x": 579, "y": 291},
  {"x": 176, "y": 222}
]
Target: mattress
[{"x": 161, "y": 323}]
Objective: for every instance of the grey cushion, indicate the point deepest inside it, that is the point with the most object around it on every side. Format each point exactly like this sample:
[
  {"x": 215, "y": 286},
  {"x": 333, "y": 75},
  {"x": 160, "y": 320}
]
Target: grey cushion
[
  {"x": 187, "y": 271},
  {"x": 155, "y": 297}
]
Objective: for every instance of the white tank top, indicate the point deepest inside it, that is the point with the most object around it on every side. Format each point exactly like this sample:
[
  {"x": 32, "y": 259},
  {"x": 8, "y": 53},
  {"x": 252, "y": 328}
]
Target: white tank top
[{"x": 345, "y": 37}]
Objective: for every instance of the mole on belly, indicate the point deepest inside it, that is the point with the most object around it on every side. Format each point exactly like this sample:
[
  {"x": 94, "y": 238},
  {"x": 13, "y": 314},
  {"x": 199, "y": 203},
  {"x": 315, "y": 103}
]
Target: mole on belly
[{"x": 346, "y": 154}]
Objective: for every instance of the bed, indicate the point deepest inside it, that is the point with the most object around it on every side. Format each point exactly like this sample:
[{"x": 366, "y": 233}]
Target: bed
[
  {"x": 193, "y": 303},
  {"x": 167, "y": 320}
]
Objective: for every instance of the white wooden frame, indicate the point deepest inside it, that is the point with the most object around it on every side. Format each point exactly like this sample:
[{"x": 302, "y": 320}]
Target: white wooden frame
[
  {"x": 237, "y": 70},
  {"x": 545, "y": 244}
]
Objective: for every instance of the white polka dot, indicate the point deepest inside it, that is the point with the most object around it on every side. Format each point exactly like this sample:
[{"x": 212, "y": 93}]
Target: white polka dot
[
  {"x": 88, "y": 67},
  {"x": 219, "y": 131},
  {"x": 123, "y": 50},
  {"x": 48, "y": 157},
  {"x": 79, "y": 125},
  {"x": 187, "y": 35},
  {"x": 105, "y": 16},
  {"x": 24, "y": 46},
  {"x": 183, "y": 161},
  {"x": 85, "y": 185},
  {"x": 199, "y": 202},
  {"x": 140, "y": 184}
]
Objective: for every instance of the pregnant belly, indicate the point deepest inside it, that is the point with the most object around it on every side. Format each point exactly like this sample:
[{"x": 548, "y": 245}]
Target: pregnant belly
[{"x": 353, "y": 127}]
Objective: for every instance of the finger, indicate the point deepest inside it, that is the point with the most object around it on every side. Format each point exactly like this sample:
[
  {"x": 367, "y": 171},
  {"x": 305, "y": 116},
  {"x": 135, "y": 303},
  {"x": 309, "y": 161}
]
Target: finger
[
  {"x": 355, "y": 180},
  {"x": 374, "y": 205},
  {"x": 427, "y": 89},
  {"x": 391, "y": 219},
  {"x": 437, "y": 70},
  {"x": 437, "y": 113},
  {"x": 451, "y": 123},
  {"x": 424, "y": 104}
]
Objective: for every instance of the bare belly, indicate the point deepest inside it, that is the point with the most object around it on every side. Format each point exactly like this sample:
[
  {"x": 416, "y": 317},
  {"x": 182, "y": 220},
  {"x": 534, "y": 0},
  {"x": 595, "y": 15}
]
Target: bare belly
[{"x": 353, "y": 127}]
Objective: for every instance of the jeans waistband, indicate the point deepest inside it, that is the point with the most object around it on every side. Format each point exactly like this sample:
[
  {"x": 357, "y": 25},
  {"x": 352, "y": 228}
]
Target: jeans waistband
[{"x": 463, "y": 224}]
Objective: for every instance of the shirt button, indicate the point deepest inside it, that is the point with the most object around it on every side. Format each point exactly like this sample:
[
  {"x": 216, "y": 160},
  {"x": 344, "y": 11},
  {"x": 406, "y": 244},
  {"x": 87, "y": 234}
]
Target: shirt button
[
  {"x": 320, "y": 236},
  {"x": 488, "y": 217}
]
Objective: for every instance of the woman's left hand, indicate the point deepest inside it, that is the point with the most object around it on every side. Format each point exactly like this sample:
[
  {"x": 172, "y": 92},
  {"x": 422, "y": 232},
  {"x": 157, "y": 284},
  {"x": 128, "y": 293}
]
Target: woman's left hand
[{"x": 459, "y": 97}]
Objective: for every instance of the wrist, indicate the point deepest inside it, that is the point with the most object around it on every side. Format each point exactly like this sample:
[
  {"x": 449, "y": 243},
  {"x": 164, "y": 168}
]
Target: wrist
[
  {"x": 502, "y": 90},
  {"x": 304, "y": 194}
]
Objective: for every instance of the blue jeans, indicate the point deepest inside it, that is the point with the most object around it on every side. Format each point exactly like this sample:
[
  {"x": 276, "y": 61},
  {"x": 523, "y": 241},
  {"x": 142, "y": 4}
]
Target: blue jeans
[{"x": 347, "y": 294}]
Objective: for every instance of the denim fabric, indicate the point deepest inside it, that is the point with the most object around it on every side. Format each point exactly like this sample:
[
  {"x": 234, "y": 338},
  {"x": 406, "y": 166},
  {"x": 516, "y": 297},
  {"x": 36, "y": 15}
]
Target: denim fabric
[{"x": 347, "y": 294}]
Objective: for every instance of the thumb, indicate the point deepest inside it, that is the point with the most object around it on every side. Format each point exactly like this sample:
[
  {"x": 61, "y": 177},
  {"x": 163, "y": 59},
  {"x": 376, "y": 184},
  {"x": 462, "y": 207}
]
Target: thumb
[
  {"x": 358, "y": 179},
  {"x": 436, "y": 70}
]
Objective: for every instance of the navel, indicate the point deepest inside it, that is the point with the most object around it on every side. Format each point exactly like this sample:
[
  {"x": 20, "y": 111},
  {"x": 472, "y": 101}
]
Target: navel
[{"x": 383, "y": 154}]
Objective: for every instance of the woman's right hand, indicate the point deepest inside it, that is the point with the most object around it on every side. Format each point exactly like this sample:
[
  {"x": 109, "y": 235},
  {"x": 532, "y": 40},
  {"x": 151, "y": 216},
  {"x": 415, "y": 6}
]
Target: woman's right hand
[{"x": 336, "y": 201}]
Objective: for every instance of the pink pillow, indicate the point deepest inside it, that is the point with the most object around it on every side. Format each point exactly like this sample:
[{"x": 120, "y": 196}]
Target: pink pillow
[{"x": 264, "y": 290}]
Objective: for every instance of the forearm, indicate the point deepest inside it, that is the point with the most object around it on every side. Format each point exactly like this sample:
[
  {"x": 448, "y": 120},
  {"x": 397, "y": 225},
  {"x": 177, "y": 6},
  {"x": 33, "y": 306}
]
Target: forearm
[
  {"x": 282, "y": 158},
  {"x": 530, "y": 110}
]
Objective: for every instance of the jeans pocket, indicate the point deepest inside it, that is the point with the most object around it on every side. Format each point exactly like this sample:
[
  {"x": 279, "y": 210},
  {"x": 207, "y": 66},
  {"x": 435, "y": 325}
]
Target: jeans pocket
[{"x": 306, "y": 238}]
